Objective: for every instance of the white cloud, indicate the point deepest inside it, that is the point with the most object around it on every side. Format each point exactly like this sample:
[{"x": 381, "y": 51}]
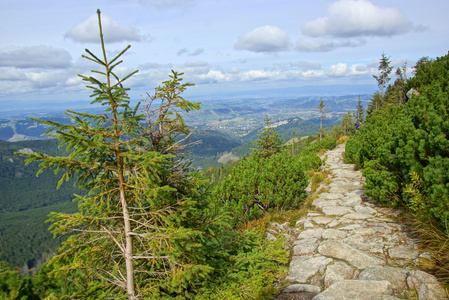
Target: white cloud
[
  {"x": 340, "y": 70},
  {"x": 196, "y": 67},
  {"x": 34, "y": 57},
  {"x": 87, "y": 31},
  {"x": 213, "y": 76},
  {"x": 43, "y": 79},
  {"x": 149, "y": 65},
  {"x": 264, "y": 39},
  {"x": 306, "y": 65},
  {"x": 234, "y": 70},
  {"x": 197, "y": 52},
  {"x": 321, "y": 45},
  {"x": 182, "y": 51},
  {"x": 195, "y": 73},
  {"x": 351, "y": 18},
  {"x": 196, "y": 63},
  {"x": 74, "y": 81},
  {"x": 11, "y": 74}
]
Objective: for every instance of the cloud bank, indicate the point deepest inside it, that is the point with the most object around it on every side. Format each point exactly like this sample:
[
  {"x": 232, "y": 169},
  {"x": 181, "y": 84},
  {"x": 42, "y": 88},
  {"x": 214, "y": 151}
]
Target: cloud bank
[
  {"x": 87, "y": 31},
  {"x": 323, "y": 45},
  {"x": 34, "y": 57},
  {"x": 264, "y": 39},
  {"x": 355, "y": 18}
]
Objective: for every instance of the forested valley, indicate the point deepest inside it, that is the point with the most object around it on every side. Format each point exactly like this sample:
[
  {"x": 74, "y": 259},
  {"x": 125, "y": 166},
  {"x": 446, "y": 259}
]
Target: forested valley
[{"x": 146, "y": 225}]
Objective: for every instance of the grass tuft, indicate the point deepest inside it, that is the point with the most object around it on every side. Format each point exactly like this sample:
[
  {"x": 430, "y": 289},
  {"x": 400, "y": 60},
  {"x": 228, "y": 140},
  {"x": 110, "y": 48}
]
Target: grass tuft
[{"x": 433, "y": 240}]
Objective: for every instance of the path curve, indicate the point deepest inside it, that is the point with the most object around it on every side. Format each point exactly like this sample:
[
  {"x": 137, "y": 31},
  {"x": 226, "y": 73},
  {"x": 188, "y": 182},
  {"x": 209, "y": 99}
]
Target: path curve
[{"x": 353, "y": 249}]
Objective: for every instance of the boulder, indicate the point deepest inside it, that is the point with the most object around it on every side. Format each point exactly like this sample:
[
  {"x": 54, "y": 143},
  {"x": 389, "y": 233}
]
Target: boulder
[{"x": 353, "y": 256}]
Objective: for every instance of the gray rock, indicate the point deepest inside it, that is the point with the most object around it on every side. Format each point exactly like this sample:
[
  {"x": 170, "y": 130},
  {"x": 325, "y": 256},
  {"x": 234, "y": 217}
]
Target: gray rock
[
  {"x": 351, "y": 201},
  {"x": 356, "y": 289},
  {"x": 311, "y": 233},
  {"x": 313, "y": 214},
  {"x": 366, "y": 231},
  {"x": 308, "y": 224},
  {"x": 426, "y": 286},
  {"x": 300, "y": 287},
  {"x": 299, "y": 292},
  {"x": 358, "y": 216},
  {"x": 354, "y": 239},
  {"x": 304, "y": 267},
  {"x": 26, "y": 151},
  {"x": 322, "y": 220},
  {"x": 270, "y": 236},
  {"x": 356, "y": 231},
  {"x": 296, "y": 296},
  {"x": 336, "y": 210},
  {"x": 333, "y": 234},
  {"x": 338, "y": 190},
  {"x": 353, "y": 256},
  {"x": 351, "y": 227},
  {"x": 329, "y": 196},
  {"x": 396, "y": 276},
  {"x": 334, "y": 223},
  {"x": 365, "y": 210},
  {"x": 300, "y": 222},
  {"x": 305, "y": 246},
  {"x": 320, "y": 203},
  {"x": 403, "y": 252},
  {"x": 411, "y": 93},
  {"x": 338, "y": 272},
  {"x": 373, "y": 247}
]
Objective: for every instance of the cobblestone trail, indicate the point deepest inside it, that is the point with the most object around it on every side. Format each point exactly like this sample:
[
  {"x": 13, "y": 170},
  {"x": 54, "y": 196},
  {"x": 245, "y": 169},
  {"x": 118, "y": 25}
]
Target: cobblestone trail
[{"x": 352, "y": 249}]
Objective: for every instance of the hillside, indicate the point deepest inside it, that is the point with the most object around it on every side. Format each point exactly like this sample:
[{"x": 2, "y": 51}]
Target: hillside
[
  {"x": 285, "y": 129},
  {"x": 26, "y": 202},
  {"x": 236, "y": 117}
]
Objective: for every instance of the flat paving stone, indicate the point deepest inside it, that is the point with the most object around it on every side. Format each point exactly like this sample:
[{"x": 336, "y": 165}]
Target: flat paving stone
[
  {"x": 304, "y": 267},
  {"x": 336, "y": 210},
  {"x": 356, "y": 289},
  {"x": 353, "y": 256},
  {"x": 322, "y": 220},
  {"x": 356, "y": 249}
]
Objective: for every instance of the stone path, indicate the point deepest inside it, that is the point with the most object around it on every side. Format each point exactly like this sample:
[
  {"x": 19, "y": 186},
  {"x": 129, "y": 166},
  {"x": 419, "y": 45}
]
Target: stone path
[{"x": 352, "y": 249}]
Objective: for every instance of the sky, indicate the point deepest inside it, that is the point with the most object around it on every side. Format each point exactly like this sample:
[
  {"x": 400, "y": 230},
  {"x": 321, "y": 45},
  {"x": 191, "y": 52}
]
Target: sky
[{"x": 222, "y": 46}]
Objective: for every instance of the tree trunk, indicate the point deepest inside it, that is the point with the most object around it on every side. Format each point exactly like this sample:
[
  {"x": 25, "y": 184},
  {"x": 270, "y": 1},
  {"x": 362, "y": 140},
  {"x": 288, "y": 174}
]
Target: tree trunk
[
  {"x": 321, "y": 127},
  {"x": 128, "y": 245}
]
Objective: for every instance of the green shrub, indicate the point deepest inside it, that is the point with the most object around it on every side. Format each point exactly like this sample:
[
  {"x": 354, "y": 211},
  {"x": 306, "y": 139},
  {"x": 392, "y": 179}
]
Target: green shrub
[
  {"x": 398, "y": 141},
  {"x": 258, "y": 184},
  {"x": 252, "y": 266}
]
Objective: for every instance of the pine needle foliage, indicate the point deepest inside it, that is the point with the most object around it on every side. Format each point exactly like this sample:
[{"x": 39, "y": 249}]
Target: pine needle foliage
[
  {"x": 269, "y": 141},
  {"x": 146, "y": 228},
  {"x": 134, "y": 234},
  {"x": 404, "y": 149},
  {"x": 260, "y": 184},
  {"x": 14, "y": 285}
]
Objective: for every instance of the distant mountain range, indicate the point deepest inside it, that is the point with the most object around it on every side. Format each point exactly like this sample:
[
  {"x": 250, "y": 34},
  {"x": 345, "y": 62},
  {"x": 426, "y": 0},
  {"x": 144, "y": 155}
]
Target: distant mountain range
[
  {"x": 226, "y": 128},
  {"x": 19, "y": 108}
]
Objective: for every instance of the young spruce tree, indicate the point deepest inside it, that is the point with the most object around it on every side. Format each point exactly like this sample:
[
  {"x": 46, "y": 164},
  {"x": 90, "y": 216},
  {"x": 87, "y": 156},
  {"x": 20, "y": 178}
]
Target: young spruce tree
[
  {"x": 133, "y": 235},
  {"x": 269, "y": 140},
  {"x": 321, "y": 108},
  {"x": 385, "y": 70}
]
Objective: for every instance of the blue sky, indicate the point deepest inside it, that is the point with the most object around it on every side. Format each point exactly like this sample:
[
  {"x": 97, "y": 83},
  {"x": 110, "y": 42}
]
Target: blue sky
[{"x": 220, "y": 45}]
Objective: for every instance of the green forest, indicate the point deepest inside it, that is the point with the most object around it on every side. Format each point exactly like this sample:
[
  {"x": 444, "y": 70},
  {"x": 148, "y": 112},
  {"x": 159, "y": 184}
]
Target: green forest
[
  {"x": 145, "y": 224},
  {"x": 26, "y": 202}
]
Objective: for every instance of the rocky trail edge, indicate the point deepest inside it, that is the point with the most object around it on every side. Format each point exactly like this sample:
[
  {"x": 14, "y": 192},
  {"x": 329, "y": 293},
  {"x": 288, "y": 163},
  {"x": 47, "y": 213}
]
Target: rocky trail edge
[{"x": 351, "y": 248}]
